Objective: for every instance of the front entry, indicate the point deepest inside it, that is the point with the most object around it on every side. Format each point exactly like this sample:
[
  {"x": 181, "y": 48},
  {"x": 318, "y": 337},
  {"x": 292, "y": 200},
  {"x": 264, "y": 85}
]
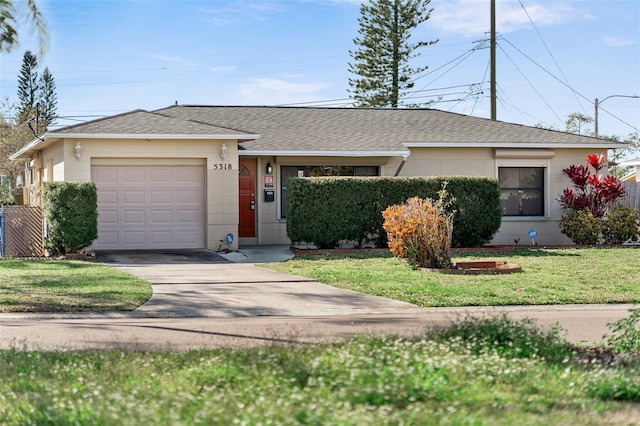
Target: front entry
[{"x": 247, "y": 182}]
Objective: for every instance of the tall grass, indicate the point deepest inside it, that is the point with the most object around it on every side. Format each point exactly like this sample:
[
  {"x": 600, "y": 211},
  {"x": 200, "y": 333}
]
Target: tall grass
[{"x": 466, "y": 375}]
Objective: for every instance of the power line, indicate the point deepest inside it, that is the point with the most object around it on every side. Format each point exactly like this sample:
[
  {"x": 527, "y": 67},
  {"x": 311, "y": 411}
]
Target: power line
[
  {"x": 464, "y": 56},
  {"x": 545, "y": 70},
  {"x": 484, "y": 79},
  {"x": 530, "y": 84},
  {"x": 565, "y": 84},
  {"x": 461, "y": 58},
  {"x": 550, "y": 54}
]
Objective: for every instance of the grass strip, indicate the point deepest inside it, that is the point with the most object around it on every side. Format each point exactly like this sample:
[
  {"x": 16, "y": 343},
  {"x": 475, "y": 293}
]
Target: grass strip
[
  {"x": 550, "y": 276},
  {"x": 68, "y": 286}
]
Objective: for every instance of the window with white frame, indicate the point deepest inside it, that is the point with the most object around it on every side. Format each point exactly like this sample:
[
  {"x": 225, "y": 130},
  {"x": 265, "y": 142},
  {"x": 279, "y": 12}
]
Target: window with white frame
[{"x": 522, "y": 190}]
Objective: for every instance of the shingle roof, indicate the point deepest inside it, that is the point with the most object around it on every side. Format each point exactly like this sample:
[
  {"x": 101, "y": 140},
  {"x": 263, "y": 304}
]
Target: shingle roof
[
  {"x": 140, "y": 122},
  {"x": 358, "y": 129}
]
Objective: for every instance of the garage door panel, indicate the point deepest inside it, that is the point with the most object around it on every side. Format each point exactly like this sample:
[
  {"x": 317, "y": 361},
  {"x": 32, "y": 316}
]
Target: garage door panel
[
  {"x": 151, "y": 207},
  {"x": 161, "y": 217},
  {"x": 187, "y": 176},
  {"x": 108, "y": 237},
  {"x": 159, "y": 174},
  {"x": 133, "y": 197},
  {"x": 133, "y": 237},
  {"x": 133, "y": 175},
  {"x": 162, "y": 196},
  {"x": 187, "y": 196},
  {"x": 161, "y": 237},
  {"x": 108, "y": 217},
  {"x": 184, "y": 216},
  {"x": 184, "y": 237},
  {"x": 133, "y": 217},
  {"x": 106, "y": 176},
  {"x": 107, "y": 197}
]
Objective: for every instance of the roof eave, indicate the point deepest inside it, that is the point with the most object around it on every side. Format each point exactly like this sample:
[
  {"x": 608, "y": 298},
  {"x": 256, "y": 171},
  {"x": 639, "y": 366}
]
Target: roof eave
[
  {"x": 31, "y": 146},
  {"x": 156, "y": 136},
  {"x": 557, "y": 145},
  {"x": 48, "y": 137},
  {"x": 258, "y": 153}
]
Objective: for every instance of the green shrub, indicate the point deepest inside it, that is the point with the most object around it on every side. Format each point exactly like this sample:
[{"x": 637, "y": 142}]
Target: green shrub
[
  {"x": 328, "y": 210},
  {"x": 71, "y": 215},
  {"x": 620, "y": 225},
  {"x": 420, "y": 231},
  {"x": 625, "y": 335},
  {"x": 508, "y": 338},
  {"x": 582, "y": 227},
  {"x": 6, "y": 197}
]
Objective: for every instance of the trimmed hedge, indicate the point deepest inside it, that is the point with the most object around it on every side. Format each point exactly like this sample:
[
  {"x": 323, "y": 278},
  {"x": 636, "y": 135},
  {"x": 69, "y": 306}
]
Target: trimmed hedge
[
  {"x": 71, "y": 215},
  {"x": 328, "y": 210}
]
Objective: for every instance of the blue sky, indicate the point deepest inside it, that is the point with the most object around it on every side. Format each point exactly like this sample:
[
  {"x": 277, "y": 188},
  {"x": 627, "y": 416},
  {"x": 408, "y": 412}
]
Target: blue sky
[{"x": 554, "y": 57}]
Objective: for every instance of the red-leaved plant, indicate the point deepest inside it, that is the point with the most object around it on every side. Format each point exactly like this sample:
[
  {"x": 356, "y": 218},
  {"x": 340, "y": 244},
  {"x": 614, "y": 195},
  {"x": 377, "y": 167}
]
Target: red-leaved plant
[{"x": 591, "y": 191}]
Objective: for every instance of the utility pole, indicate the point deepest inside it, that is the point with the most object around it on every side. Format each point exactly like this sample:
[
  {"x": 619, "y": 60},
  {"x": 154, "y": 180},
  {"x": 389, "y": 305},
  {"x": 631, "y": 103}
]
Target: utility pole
[{"x": 494, "y": 97}]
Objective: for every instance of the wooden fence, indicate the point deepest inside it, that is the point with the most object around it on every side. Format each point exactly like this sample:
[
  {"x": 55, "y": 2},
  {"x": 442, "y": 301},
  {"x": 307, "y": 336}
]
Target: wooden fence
[
  {"x": 632, "y": 199},
  {"x": 22, "y": 231}
]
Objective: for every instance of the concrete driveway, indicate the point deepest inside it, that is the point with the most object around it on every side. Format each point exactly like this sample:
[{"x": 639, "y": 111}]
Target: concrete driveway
[
  {"x": 201, "y": 283},
  {"x": 202, "y": 300}
]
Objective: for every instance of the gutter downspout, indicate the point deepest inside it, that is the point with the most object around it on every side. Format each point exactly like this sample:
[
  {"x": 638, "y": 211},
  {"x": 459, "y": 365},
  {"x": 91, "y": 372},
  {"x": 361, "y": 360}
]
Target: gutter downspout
[{"x": 404, "y": 160}]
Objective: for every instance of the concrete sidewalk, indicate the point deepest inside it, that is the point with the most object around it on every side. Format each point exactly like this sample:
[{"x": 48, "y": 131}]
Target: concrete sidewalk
[{"x": 584, "y": 324}]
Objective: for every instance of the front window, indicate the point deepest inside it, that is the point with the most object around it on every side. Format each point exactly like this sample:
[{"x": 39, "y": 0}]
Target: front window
[
  {"x": 287, "y": 172},
  {"x": 522, "y": 191}
]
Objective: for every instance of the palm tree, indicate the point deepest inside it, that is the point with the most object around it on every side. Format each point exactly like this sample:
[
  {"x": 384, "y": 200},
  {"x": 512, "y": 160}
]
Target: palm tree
[{"x": 9, "y": 20}]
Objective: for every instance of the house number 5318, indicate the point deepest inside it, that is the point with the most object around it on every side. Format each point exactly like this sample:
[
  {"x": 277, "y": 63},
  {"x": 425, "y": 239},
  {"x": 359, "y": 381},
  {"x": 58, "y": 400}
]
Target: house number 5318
[{"x": 222, "y": 166}]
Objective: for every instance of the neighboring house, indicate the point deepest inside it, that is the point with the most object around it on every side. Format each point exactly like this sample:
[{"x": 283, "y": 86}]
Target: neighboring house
[
  {"x": 633, "y": 176},
  {"x": 186, "y": 176}
]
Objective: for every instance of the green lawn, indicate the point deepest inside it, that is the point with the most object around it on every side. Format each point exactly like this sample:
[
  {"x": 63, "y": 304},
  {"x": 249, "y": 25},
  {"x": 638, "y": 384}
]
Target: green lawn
[
  {"x": 550, "y": 276},
  {"x": 489, "y": 371},
  {"x": 68, "y": 286}
]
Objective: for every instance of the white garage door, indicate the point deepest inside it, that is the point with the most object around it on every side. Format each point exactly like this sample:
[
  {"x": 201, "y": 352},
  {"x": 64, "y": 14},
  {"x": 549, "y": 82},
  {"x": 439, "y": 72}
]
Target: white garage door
[{"x": 150, "y": 207}]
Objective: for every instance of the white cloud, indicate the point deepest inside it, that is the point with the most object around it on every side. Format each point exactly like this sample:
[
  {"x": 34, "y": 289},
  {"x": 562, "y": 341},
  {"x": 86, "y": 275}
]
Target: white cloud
[
  {"x": 233, "y": 13},
  {"x": 471, "y": 18},
  {"x": 619, "y": 41},
  {"x": 164, "y": 58},
  {"x": 183, "y": 63},
  {"x": 268, "y": 91},
  {"x": 221, "y": 68}
]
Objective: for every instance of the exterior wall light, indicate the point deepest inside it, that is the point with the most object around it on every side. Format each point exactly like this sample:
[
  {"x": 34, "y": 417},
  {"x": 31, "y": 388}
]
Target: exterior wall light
[
  {"x": 223, "y": 151},
  {"x": 78, "y": 150},
  {"x": 269, "y": 169}
]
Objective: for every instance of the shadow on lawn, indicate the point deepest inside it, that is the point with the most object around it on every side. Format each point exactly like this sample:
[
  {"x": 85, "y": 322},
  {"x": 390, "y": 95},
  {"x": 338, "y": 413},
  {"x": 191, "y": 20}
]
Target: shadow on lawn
[
  {"x": 44, "y": 263},
  {"x": 455, "y": 253},
  {"x": 517, "y": 252}
]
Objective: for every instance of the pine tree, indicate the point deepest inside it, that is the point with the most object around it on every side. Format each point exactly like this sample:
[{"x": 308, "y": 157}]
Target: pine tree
[
  {"x": 28, "y": 86},
  {"x": 10, "y": 18},
  {"x": 384, "y": 51},
  {"x": 47, "y": 99}
]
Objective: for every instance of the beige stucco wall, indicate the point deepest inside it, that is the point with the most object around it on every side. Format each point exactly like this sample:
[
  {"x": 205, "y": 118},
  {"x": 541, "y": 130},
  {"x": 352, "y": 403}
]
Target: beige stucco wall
[
  {"x": 221, "y": 181},
  {"x": 222, "y": 184},
  {"x": 547, "y": 228},
  {"x": 443, "y": 162}
]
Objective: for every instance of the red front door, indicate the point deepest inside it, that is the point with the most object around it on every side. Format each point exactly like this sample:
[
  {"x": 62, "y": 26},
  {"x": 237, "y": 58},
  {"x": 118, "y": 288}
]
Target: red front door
[{"x": 247, "y": 179}]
